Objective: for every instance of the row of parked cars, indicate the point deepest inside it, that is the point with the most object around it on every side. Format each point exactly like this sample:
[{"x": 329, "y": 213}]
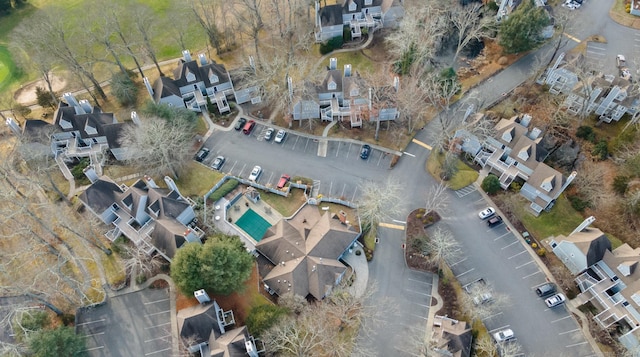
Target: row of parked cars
[{"x": 247, "y": 128}]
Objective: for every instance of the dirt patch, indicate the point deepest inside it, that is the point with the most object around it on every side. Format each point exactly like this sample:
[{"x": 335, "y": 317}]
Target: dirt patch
[
  {"x": 27, "y": 93},
  {"x": 417, "y": 221}
]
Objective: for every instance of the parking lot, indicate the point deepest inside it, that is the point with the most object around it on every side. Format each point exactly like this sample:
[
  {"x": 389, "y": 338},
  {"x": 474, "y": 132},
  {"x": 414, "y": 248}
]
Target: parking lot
[
  {"x": 243, "y": 152},
  {"x": 505, "y": 263},
  {"x": 135, "y": 324}
]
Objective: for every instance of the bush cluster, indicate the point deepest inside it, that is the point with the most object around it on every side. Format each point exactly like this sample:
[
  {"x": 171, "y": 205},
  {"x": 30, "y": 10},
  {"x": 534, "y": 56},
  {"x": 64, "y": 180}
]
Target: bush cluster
[
  {"x": 333, "y": 44},
  {"x": 222, "y": 191}
]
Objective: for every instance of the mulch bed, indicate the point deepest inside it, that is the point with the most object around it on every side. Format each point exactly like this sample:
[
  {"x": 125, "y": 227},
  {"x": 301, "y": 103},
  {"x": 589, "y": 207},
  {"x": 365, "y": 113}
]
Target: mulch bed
[{"x": 417, "y": 221}]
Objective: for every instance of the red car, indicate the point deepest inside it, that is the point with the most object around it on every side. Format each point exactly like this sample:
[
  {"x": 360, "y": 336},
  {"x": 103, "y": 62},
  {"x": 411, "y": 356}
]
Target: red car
[
  {"x": 283, "y": 181},
  {"x": 249, "y": 127}
]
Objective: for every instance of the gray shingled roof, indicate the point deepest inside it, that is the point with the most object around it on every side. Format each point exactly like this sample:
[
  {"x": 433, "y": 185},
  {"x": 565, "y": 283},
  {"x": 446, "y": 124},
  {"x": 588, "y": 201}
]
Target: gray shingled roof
[
  {"x": 197, "y": 323},
  {"x": 165, "y": 87},
  {"x": 331, "y": 15},
  {"x": 101, "y": 194},
  {"x": 231, "y": 344},
  {"x": 168, "y": 236}
]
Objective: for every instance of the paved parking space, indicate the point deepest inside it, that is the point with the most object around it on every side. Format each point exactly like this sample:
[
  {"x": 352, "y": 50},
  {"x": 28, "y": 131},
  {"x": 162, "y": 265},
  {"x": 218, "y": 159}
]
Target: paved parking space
[
  {"x": 135, "y": 324},
  {"x": 597, "y": 57},
  {"x": 466, "y": 190}
]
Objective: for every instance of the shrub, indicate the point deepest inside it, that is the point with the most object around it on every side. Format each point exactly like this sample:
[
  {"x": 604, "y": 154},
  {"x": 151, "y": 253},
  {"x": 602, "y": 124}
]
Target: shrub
[
  {"x": 515, "y": 186},
  {"x": 140, "y": 279},
  {"x": 262, "y": 317},
  {"x": 586, "y": 133},
  {"x": 77, "y": 171},
  {"x": 124, "y": 89},
  {"x": 346, "y": 33},
  {"x": 44, "y": 98},
  {"x": 222, "y": 191},
  {"x": 332, "y": 44},
  {"x": 601, "y": 150},
  {"x": 620, "y": 184},
  {"x": 491, "y": 184},
  {"x": 541, "y": 252},
  {"x": 578, "y": 203}
]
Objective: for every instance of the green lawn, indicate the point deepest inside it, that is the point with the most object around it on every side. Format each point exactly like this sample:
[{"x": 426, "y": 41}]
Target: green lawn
[
  {"x": 562, "y": 219},
  {"x": 356, "y": 59},
  {"x": 464, "y": 177},
  {"x": 197, "y": 179},
  {"x": 8, "y": 71},
  {"x": 286, "y": 206}
]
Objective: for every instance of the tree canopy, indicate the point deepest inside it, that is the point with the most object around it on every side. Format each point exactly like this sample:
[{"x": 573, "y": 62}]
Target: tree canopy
[
  {"x": 220, "y": 266},
  {"x": 61, "y": 341},
  {"x": 521, "y": 31}
]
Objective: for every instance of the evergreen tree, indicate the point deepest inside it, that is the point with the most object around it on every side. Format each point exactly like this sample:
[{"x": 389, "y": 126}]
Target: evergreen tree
[{"x": 521, "y": 31}]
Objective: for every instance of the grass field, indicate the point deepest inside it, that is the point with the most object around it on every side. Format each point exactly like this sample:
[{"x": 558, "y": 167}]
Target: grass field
[
  {"x": 464, "y": 177},
  {"x": 9, "y": 73}
]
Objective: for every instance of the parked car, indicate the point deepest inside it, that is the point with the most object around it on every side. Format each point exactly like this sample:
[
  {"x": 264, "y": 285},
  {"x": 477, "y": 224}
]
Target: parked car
[
  {"x": 240, "y": 124},
  {"x": 504, "y": 335},
  {"x": 546, "y": 289},
  {"x": 218, "y": 162},
  {"x": 365, "y": 151},
  {"x": 283, "y": 181},
  {"x": 201, "y": 155},
  {"x": 248, "y": 128},
  {"x": 494, "y": 221},
  {"x": 255, "y": 173},
  {"x": 269, "y": 134},
  {"x": 280, "y": 136},
  {"x": 555, "y": 300},
  {"x": 486, "y": 213},
  {"x": 482, "y": 298}
]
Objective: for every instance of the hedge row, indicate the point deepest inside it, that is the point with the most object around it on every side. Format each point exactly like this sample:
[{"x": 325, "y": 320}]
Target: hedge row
[{"x": 222, "y": 191}]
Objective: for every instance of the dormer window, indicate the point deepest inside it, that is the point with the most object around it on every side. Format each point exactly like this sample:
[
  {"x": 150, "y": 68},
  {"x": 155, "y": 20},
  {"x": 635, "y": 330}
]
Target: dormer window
[
  {"x": 547, "y": 184},
  {"x": 332, "y": 85},
  {"x": 354, "y": 92},
  {"x": 368, "y": 2},
  {"x": 524, "y": 153},
  {"x": 352, "y": 6},
  {"x": 190, "y": 75},
  {"x": 65, "y": 124},
  {"x": 128, "y": 201},
  {"x": 508, "y": 135},
  {"x": 90, "y": 129},
  {"x": 213, "y": 78}
]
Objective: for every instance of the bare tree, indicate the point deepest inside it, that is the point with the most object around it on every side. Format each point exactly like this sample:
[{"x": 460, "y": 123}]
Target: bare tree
[
  {"x": 137, "y": 261},
  {"x": 379, "y": 201},
  {"x": 121, "y": 20},
  {"x": 248, "y": 13},
  {"x": 437, "y": 198},
  {"x": 471, "y": 23},
  {"x": 442, "y": 247},
  {"x": 590, "y": 183},
  {"x": 100, "y": 29},
  {"x": 412, "y": 99},
  {"x": 146, "y": 23},
  {"x": 295, "y": 303},
  {"x": 158, "y": 146},
  {"x": 482, "y": 301},
  {"x": 207, "y": 14}
]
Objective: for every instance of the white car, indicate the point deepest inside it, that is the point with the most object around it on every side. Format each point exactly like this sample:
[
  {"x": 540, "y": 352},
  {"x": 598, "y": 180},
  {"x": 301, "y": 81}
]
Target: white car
[
  {"x": 486, "y": 213},
  {"x": 280, "y": 136},
  {"x": 504, "y": 335},
  {"x": 255, "y": 173},
  {"x": 555, "y": 300}
]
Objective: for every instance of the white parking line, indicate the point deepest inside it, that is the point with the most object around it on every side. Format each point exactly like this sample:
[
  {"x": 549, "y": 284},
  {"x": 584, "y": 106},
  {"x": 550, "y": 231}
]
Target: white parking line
[
  {"x": 306, "y": 145},
  {"x": 422, "y": 317},
  {"x": 423, "y": 305},
  {"x": 157, "y": 338},
  {"x": 90, "y": 322},
  {"x": 380, "y": 159},
  {"x": 154, "y": 352},
  {"x": 458, "y": 262},
  {"x": 406, "y": 352},
  {"x": 330, "y": 187},
  {"x": 468, "y": 271},
  {"x": 418, "y": 292},
  {"x": 500, "y": 237},
  {"x": 158, "y": 313},
  {"x": 570, "y": 331},
  {"x": 157, "y": 301},
  {"x": 508, "y": 245},
  {"x": 94, "y": 334},
  {"x": 494, "y": 315},
  {"x": 515, "y": 255},
  {"x": 344, "y": 186},
  {"x": 353, "y": 198},
  {"x": 156, "y": 326},
  {"x": 499, "y": 328},
  {"x": 560, "y": 319},
  {"x": 520, "y": 266},
  {"x": 338, "y": 149},
  {"x": 93, "y": 348},
  {"x": 408, "y": 153},
  {"x": 419, "y": 281},
  {"x": 270, "y": 177},
  {"x": 349, "y": 150},
  {"x": 532, "y": 274},
  {"x": 401, "y": 222},
  {"x": 296, "y": 143},
  {"x": 576, "y": 344}
]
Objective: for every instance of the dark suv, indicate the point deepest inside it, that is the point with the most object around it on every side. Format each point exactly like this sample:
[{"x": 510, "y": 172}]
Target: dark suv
[
  {"x": 494, "y": 221},
  {"x": 240, "y": 124},
  {"x": 202, "y": 154},
  {"x": 546, "y": 289},
  {"x": 365, "y": 151}
]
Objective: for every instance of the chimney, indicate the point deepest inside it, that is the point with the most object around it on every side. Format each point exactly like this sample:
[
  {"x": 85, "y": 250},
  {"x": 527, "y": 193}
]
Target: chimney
[
  {"x": 135, "y": 118},
  {"x": 90, "y": 172},
  {"x": 149, "y": 181},
  {"x": 347, "y": 70},
  {"x": 396, "y": 83},
  {"x": 317, "y": 13},
  {"x": 13, "y": 125},
  {"x": 252, "y": 64},
  {"x": 290, "y": 86},
  {"x": 203, "y": 59},
  {"x": 70, "y": 99},
  {"x": 584, "y": 225},
  {"x": 313, "y": 268},
  {"x": 171, "y": 184},
  {"x": 202, "y": 296},
  {"x": 333, "y": 63},
  {"x": 186, "y": 55},
  {"x": 148, "y": 85},
  {"x": 86, "y": 106}
]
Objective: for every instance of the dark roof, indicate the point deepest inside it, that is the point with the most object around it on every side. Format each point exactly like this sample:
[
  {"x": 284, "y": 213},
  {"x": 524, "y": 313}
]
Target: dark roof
[
  {"x": 231, "y": 344},
  {"x": 334, "y": 75},
  {"x": 38, "y": 130},
  {"x": 168, "y": 236},
  {"x": 201, "y": 73},
  {"x": 165, "y": 87},
  {"x": 597, "y": 248},
  {"x": 105, "y": 124},
  {"x": 101, "y": 194},
  {"x": 331, "y": 15},
  {"x": 197, "y": 323},
  {"x": 359, "y": 5}
]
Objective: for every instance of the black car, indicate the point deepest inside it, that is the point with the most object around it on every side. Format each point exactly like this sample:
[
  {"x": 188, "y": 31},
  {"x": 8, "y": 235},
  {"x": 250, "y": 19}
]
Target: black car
[
  {"x": 240, "y": 124},
  {"x": 546, "y": 289},
  {"x": 365, "y": 151},
  {"x": 201, "y": 155},
  {"x": 494, "y": 221},
  {"x": 218, "y": 162}
]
